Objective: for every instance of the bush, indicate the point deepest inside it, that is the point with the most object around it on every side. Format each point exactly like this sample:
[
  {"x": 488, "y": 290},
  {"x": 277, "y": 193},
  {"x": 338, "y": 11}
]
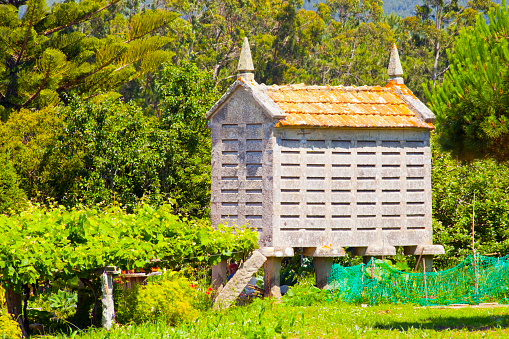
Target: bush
[
  {"x": 8, "y": 328},
  {"x": 168, "y": 298}
]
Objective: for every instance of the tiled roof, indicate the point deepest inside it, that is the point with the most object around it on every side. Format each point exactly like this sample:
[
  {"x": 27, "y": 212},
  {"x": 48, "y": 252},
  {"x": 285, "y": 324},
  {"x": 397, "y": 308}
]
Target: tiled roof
[{"x": 326, "y": 106}]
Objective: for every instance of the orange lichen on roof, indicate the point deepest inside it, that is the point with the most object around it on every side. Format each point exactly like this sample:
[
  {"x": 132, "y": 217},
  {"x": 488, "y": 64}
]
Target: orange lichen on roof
[
  {"x": 405, "y": 90},
  {"x": 327, "y": 106}
]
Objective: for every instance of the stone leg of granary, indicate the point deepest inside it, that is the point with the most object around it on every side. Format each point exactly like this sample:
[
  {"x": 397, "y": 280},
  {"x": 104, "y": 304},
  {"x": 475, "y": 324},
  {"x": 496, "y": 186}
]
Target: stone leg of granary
[
  {"x": 219, "y": 275},
  {"x": 272, "y": 280},
  {"x": 323, "y": 268},
  {"x": 426, "y": 263}
]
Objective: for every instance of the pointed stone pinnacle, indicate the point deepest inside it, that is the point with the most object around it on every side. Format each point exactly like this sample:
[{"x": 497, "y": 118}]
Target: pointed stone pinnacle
[
  {"x": 245, "y": 61},
  {"x": 395, "y": 70}
]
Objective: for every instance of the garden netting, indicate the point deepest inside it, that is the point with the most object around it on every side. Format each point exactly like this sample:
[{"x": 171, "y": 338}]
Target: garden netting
[{"x": 476, "y": 279}]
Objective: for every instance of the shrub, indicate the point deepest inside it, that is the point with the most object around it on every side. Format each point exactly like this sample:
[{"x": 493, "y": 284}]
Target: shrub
[
  {"x": 167, "y": 298},
  {"x": 8, "y": 328}
]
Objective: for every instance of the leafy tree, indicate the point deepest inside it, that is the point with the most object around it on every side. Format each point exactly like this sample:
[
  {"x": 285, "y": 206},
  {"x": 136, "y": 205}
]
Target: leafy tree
[
  {"x": 454, "y": 186},
  {"x": 12, "y": 198},
  {"x": 110, "y": 153},
  {"x": 186, "y": 94},
  {"x": 472, "y": 103},
  {"x": 49, "y": 52}
]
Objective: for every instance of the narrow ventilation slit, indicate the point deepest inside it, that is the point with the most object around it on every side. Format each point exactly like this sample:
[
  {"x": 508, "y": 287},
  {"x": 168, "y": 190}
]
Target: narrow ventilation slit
[
  {"x": 415, "y": 215},
  {"x": 253, "y": 125},
  {"x": 416, "y": 190},
  {"x": 336, "y": 229},
  {"x": 391, "y": 143},
  {"x": 415, "y": 203},
  {"x": 395, "y": 228},
  {"x": 315, "y": 152},
  {"x": 366, "y": 153},
  {"x": 230, "y": 125},
  {"x": 286, "y": 190},
  {"x": 253, "y": 152},
  {"x": 365, "y": 166},
  {"x": 290, "y": 165},
  {"x": 341, "y": 153},
  {"x": 416, "y": 228},
  {"x": 366, "y": 216},
  {"x": 366, "y": 229},
  {"x": 229, "y": 178},
  {"x": 366, "y": 178},
  {"x": 227, "y": 191},
  {"x": 341, "y": 165},
  {"x": 254, "y": 140},
  {"x": 340, "y": 203},
  {"x": 414, "y": 153},
  {"x": 341, "y": 216},
  {"x": 366, "y": 203},
  {"x": 341, "y": 178},
  {"x": 230, "y": 204},
  {"x": 290, "y": 152},
  {"x": 230, "y": 165},
  {"x": 415, "y": 166},
  {"x": 253, "y": 177},
  {"x": 414, "y": 178},
  {"x": 289, "y": 217},
  {"x": 230, "y": 152},
  {"x": 253, "y": 204},
  {"x": 390, "y": 203},
  {"x": 290, "y": 229},
  {"x": 315, "y": 165},
  {"x": 340, "y": 191},
  {"x": 254, "y": 191},
  {"x": 254, "y": 217},
  {"x": 390, "y": 153},
  {"x": 254, "y": 165},
  {"x": 391, "y": 216},
  {"x": 229, "y": 216},
  {"x": 230, "y": 141},
  {"x": 315, "y": 216},
  {"x": 316, "y": 178},
  {"x": 390, "y": 178},
  {"x": 316, "y": 204},
  {"x": 390, "y": 191},
  {"x": 314, "y": 229},
  {"x": 315, "y": 191},
  {"x": 366, "y": 191},
  {"x": 289, "y": 178},
  {"x": 289, "y": 203},
  {"x": 390, "y": 166}
]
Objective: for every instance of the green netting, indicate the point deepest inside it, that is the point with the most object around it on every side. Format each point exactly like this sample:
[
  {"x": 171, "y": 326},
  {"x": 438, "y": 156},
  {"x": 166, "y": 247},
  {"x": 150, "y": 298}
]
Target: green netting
[{"x": 474, "y": 280}]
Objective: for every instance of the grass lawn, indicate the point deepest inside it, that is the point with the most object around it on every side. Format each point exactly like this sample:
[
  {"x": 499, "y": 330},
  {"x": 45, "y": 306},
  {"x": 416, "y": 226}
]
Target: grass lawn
[{"x": 271, "y": 319}]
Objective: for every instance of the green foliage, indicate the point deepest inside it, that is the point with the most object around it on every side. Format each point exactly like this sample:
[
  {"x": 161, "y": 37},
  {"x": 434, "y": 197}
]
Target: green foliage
[
  {"x": 304, "y": 293},
  {"x": 110, "y": 153},
  {"x": 186, "y": 94},
  {"x": 46, "y": 245},
  {"x": 454, "y": 185},
  {"x": 12, "y": 198},
  {"x": 167, "y": 298},
  {"x": 8, "y": 328},
  {"x": 471, "y": 104},
  {"x": 46, "y": 52}
]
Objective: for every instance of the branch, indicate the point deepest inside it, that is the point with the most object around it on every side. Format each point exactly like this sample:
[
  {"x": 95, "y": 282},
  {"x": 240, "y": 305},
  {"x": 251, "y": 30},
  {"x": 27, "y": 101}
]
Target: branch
[
  {"x": 140, "y": 36},
  {"x": 30, "y": 24},
  {"x": 443, "y": 71},
  {"x": 80, "y": 20},
  {"x": 76, "y": 81}
]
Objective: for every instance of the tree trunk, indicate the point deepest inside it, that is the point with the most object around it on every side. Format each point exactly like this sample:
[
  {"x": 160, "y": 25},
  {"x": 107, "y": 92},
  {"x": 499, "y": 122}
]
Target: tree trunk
[{"x": 15, "y": 309}]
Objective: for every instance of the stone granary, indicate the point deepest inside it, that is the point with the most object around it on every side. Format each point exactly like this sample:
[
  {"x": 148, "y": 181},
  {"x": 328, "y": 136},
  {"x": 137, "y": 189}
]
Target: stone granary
[{"x": 323, "y": 168}]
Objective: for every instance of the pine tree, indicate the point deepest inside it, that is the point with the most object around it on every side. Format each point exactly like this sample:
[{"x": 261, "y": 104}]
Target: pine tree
[
  {"x": 472, "y": 104},
  {"x": 49, "y": 52}
]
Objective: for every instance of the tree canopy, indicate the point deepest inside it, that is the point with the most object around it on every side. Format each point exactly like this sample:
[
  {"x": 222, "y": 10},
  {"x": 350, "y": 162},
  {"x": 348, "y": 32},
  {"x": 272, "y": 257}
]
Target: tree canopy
[{"x": 471, "y": 104}]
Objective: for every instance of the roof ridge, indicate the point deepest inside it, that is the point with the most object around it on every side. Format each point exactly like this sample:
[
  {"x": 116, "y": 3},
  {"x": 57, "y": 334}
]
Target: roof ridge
[{"x": 303, "y": 87}]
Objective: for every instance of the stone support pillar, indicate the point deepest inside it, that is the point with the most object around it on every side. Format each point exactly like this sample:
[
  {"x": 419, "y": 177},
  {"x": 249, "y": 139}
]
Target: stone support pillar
[
  {"x": 272, "y": 280},
  {"x": 219, "y": 275},
  {"x": 107, "y": 297},
  {"x": 426, "y": 263},
  {"x": 323, "y": 268}
]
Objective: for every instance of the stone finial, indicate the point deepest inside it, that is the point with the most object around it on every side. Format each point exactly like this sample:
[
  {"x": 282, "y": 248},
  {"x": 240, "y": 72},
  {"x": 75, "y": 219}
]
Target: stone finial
[
  {"x": 395, "y": 70},
  {"x": 245, "y": 68}
]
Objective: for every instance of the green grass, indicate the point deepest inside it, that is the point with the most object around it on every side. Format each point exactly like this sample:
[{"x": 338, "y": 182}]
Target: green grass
[{"x": 271, "y": 319}]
